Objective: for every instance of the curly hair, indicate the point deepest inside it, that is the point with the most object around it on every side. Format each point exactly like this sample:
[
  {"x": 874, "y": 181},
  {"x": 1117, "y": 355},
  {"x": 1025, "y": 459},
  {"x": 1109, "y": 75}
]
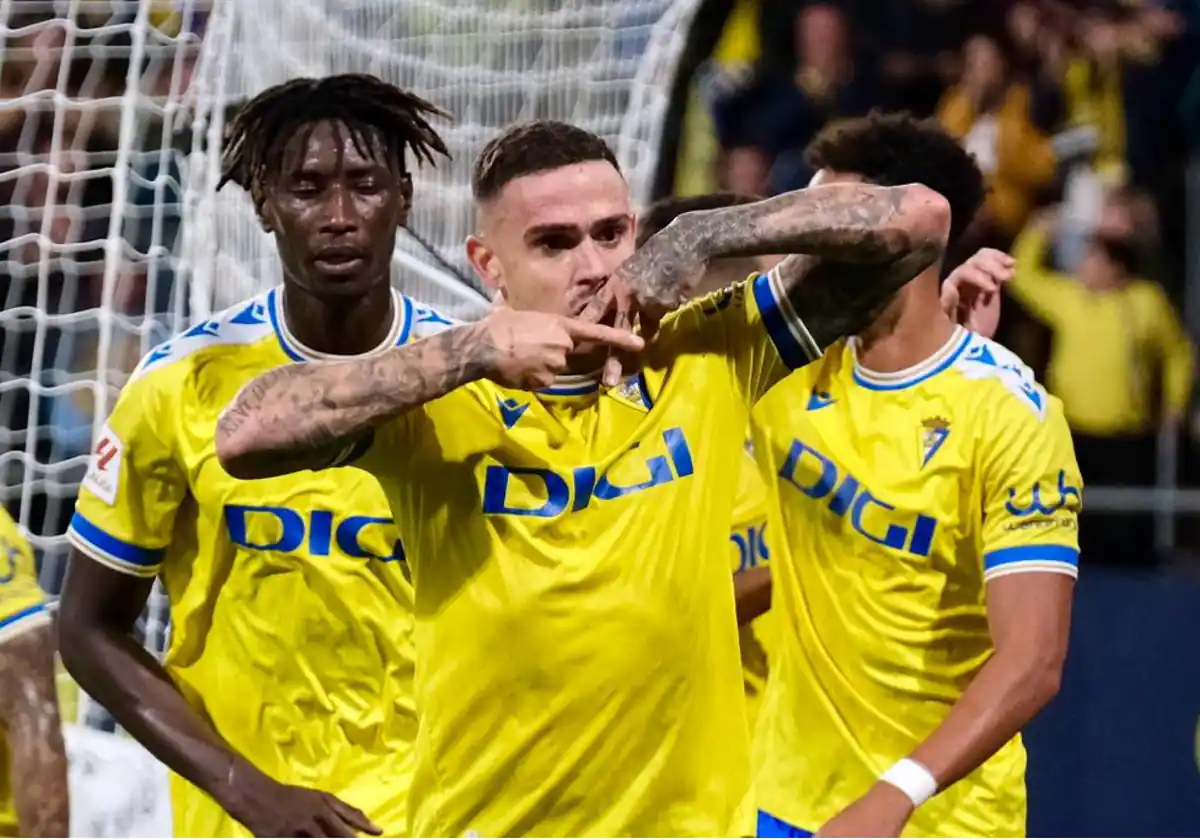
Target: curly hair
[
  {"x": 370, "y": 108},
  {"x": 895, "y": 149}
]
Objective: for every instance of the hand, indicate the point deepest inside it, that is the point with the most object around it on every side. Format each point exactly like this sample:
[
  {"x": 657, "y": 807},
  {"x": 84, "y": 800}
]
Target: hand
[
  {"x": 268, "y": 808},
  {"x": 529, "y": 349},
  {"x": 882, "y": 812},
  {"x": 971, "y": 294}
]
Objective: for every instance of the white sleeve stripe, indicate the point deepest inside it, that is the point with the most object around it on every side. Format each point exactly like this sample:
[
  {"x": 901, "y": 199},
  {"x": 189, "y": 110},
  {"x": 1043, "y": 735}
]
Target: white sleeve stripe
[
  {"x": 1027, "y": 566},
  {"x": 105, "y": 559},
  {"x": 794, "y": 322},
  {"x": 22, "y": 624}
]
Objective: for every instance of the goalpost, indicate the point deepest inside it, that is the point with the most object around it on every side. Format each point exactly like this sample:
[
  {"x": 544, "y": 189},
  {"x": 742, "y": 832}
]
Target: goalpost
[{"x": 114, "y": 237}]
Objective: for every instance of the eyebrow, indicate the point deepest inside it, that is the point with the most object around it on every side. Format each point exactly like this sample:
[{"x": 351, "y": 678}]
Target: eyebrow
[{"x": 544, "y": 230}]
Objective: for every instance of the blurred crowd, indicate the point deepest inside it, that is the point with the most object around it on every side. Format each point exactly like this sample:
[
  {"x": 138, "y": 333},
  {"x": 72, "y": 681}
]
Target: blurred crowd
[{"x": 1081, "y": 114}]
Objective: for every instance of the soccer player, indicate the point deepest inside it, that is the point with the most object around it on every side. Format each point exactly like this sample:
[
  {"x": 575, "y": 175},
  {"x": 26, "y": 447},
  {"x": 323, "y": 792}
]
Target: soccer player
[
  {"x": 970, "y": 295},
  {"x": 286, "y": 693},
  {"x": 577, "y": 671},
  {"x": 924, "y": 516},
  {"x": 33, "y": 761}
]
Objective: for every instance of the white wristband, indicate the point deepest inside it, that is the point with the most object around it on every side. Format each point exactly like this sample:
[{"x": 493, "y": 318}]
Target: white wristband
[{"x": 912, "y": 779}]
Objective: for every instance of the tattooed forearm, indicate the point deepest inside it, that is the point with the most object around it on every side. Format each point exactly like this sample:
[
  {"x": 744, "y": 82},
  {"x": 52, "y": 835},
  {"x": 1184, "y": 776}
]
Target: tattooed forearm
[
  {"x": 305, "y": 416},
  {"x": 29, "y": 715},
  {"x": 850, "y": 223}
]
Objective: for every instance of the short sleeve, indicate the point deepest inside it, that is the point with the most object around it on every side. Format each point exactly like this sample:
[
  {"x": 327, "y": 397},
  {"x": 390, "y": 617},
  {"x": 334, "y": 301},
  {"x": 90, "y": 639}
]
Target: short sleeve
[
  {"x": 125, "y": 513},
  {"x": 1032, "y": 491},
  {"x": 22, "y": 602},
  {"x": 752, "y": 325}
]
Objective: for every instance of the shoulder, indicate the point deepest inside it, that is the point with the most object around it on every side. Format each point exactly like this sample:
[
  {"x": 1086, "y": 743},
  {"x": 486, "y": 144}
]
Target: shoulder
[
  {"x": 238, "y": 327},
  {"x": 424, "y": 321},
  {"x": 1002, "y": 381}
]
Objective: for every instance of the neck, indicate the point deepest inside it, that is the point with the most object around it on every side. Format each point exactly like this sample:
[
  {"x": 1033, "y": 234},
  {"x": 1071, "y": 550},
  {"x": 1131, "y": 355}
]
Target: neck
[
  {"x": 340, "y": 327},
  {"x": 911, "y": 331}
]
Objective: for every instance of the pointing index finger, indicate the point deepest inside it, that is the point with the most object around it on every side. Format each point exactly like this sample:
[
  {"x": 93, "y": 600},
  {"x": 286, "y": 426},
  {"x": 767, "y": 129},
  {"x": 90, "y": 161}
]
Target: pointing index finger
[{"x": 587, "y": 331}]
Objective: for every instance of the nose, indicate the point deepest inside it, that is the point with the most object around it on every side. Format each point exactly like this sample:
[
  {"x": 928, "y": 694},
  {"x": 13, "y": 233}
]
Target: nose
[
  {"x": 590, "y": 263},
  {"x": 339, "y": 216}
]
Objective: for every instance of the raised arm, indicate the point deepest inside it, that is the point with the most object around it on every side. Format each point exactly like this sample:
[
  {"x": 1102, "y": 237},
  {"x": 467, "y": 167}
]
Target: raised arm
[
  {"x": 878, "y": 237},
  {"x": 309, "y": 416}
]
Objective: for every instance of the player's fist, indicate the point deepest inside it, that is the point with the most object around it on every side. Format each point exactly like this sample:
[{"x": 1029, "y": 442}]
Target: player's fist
[
  {"x": 971, "y": 294},
  {"x": 527, "y": 350},
  {"x": 268, "y": 808}
]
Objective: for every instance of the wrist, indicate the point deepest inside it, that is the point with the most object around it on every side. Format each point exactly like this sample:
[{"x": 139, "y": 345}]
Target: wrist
[
  {"x": 479, "y": 359},
  {"x": 912, "y": 779}
]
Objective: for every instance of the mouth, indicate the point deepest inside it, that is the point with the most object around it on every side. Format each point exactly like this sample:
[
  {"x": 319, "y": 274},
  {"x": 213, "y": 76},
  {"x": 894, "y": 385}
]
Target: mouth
[{"x": 339, "y": 260}]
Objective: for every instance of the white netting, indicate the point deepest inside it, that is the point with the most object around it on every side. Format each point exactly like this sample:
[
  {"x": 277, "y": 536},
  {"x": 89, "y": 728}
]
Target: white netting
[
  {"x": 89, "y": 218},
  {"x": 603, "y": 64},
  {"x": 113, "y": 235}
]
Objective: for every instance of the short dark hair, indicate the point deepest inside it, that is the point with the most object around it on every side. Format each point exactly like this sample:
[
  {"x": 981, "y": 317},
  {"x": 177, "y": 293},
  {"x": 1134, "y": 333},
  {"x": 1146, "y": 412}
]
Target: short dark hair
[
  {"x": 661, "y": 213},
  {"x": 368, "y": 106},
  {"x": 894, "y": 149},
  {"x": 532, "y": 147}
]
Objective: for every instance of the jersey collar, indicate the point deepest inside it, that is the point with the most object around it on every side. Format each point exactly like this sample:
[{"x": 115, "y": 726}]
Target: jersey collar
[
  {"x": 919, "y": 372},
  {"x": 572, "y": 386},
  {"x": 402, "y": 318}
]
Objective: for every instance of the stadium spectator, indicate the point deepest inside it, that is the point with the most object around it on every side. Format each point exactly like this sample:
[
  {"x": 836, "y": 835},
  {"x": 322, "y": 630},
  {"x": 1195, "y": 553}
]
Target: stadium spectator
[
  {"x": 764, "y": 127},
  {"x": 1120, "y": 360}
]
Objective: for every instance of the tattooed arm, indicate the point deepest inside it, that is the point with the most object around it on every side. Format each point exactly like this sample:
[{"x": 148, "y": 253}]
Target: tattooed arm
[
  {"x": 313, "y": 415},
  {"x": 29, "y": 716},
  {"x": 879, "y": 237}
]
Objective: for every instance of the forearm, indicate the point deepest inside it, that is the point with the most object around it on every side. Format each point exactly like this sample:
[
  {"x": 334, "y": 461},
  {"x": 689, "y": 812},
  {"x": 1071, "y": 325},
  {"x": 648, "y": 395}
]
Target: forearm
[
  {"x": 303, "y": 416},
  {"x": 752, "y": 593},
  {"x": 131, "y": 684},
  {"x": 1006, "y": 694},
  {"x": 845, "y": 223},
  {"x": 35, "y": 739}
]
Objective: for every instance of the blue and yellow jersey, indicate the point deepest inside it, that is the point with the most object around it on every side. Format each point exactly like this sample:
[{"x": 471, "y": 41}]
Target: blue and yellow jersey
[
  {"x": 748, "y": 541},
  {"x": 22, "y": 608},
  {"x": 575, "y": 648},
  {"x": 291, "y": 607},
  {"x": 895, "y": 499}
]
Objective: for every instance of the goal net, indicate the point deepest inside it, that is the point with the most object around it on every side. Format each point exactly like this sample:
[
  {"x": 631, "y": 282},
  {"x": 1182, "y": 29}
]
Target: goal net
[{"x": 114, "y": 236}]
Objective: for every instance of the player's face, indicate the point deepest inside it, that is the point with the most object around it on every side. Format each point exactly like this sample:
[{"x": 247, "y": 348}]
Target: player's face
[
  {"x": 550, "y": 239},
  {"x": 335, "y": 210}
]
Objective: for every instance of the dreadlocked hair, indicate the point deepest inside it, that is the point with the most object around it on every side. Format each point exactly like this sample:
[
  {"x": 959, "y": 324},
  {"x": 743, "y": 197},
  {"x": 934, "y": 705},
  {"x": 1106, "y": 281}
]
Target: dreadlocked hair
[{"x": 259, "y": 131}]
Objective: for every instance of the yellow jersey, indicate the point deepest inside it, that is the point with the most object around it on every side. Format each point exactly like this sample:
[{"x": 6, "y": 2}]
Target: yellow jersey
[
  {"x": 748, "y": 543},
  {"x": 577, "y": 668},
  {"x": 22, "y": 608},
  {"x": 896, "y": 498},
  {"x": 291, "y": 607}
]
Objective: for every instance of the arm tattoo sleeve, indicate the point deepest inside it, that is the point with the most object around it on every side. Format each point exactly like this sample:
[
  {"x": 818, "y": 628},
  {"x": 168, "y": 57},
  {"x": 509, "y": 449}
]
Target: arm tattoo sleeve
[
  {"x": 29, "y": 714},
  {"x": 307, "y": 416},
  {"x": 885, "y": 236}
]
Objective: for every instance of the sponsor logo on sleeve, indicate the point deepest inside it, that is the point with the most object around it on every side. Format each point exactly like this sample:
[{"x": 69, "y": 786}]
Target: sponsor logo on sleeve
[{"x": 104, "y": 467}]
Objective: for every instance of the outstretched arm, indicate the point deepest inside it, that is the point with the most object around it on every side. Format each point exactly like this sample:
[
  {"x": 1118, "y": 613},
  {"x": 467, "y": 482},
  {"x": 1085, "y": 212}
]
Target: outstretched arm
[
  {"x": 309, "y": 416},
  {"x": 872, "y": 239}
]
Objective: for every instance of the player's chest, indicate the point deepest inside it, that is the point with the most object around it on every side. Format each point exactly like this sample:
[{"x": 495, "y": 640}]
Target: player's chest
[
  {"x": 549, "y": 456},
  {"x": 898, "y": 476},
  {"x": 338, "y": 515}
]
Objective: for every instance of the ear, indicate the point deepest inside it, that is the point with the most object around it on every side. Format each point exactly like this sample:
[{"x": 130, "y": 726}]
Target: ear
[
  {"x": 486, "y": 264},
  {"x": 266, "y": 217},
  {"x": 406, "y": 194}
]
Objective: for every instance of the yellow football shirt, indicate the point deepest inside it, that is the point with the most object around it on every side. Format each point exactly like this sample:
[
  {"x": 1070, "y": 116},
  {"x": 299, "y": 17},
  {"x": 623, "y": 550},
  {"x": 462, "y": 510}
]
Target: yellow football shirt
[
  {"x": 896, "y": 498},
  {"x": 748, "y": 543},
  {"x": 22, "y": 608},
  {"x": 291, "y": 608},
  {"x": 577, "y": 666}
]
